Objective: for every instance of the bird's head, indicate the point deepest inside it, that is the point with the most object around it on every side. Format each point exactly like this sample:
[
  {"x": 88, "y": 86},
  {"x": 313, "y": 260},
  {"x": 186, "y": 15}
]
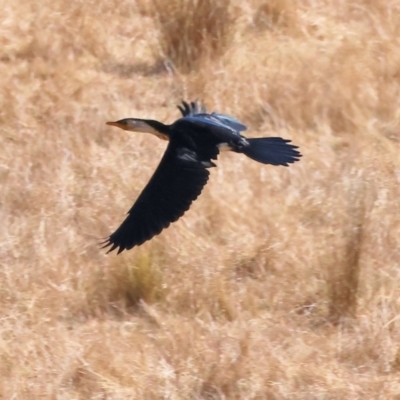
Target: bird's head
[
  {"x": 141, "y": 125},
  {"x": 132, "y": 124}
]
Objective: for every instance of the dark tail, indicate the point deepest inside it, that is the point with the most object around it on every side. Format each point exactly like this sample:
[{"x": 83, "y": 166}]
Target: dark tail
[{"x": 272, "y": 150}]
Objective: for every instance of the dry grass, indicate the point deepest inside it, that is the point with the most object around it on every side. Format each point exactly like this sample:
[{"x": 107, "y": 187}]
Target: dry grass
[
  {"x": 279, "y": 283},
  {"x": 191, "y": 30}
]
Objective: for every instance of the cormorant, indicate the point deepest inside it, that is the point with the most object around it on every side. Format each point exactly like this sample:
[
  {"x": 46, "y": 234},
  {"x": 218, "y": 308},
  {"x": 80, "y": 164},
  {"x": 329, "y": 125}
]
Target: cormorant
[{"x": 195, "y": 140}]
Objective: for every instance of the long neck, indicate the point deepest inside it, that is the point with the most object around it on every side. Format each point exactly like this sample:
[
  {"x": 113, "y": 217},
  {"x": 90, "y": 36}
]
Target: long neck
[{"x": 159, "y": 127}]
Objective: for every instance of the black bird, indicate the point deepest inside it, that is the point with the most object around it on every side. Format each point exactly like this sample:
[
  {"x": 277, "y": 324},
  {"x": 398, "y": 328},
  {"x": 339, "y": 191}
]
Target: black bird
[{"x": 194, "y": 141}]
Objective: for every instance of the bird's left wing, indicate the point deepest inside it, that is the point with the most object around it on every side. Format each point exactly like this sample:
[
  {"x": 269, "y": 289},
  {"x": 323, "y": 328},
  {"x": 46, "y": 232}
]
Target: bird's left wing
[
  {"x": 228, "y": 120},
  {"x": 176, "y": 183},
  {"x": 191, "y": 108},
  {"x": 195, "y": 110}
]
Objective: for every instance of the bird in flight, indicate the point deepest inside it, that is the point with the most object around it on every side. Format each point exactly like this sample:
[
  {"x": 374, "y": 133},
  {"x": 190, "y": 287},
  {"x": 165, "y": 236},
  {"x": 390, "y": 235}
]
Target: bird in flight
[{"x": 195, "y": 140}]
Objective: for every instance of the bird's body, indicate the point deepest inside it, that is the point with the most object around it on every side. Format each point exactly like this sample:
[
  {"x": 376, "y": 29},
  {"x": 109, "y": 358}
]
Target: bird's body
[{"x": 195, "y": 140}]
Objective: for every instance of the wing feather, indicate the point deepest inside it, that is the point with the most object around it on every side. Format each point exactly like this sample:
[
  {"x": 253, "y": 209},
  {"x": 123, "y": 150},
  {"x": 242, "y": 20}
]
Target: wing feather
[
  {"x": 176, "y": 183},
  {"x": 196, "y": 111},
  {"x": 191, "y": 108}
]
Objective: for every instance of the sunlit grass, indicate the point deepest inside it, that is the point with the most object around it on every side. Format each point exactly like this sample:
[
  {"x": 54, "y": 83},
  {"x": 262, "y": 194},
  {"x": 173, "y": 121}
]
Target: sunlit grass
[
  {"x": 191, "y": 30},
  {"x": 278, "y": 283}
]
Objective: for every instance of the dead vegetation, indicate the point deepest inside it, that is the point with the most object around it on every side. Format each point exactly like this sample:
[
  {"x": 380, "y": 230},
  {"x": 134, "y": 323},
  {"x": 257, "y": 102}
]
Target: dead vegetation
[
  {"x": 192, "y": 30},
  {"x": 278, "y": 283}
]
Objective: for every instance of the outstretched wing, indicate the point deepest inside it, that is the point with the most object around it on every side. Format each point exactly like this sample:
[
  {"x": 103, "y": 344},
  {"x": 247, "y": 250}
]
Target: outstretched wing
[{"x": 176, "y": 183}]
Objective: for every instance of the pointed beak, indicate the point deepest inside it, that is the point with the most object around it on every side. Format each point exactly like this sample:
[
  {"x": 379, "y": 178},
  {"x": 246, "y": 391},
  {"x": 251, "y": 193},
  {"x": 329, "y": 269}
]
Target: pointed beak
[{"x": 117, "y": 124}]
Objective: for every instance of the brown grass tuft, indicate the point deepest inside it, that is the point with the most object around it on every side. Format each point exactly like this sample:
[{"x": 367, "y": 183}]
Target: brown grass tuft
[
  {"x": 344, "y": 274},
  {"x": 191, "y": 31},
  {"x": 124, "y": 284},
  {"x": 275, "y": 13}
]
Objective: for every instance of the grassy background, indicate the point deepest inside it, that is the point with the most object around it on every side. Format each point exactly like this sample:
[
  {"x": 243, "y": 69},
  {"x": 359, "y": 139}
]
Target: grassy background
[{"x": 279, "y": 283}]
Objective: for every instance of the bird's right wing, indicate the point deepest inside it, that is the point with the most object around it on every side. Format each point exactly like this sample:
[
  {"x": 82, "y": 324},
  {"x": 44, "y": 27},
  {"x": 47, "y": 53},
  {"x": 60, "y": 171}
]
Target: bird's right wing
[{"x": 176, "y": 183}]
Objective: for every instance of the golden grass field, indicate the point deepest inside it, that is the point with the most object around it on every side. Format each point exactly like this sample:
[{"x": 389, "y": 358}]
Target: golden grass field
[{"x": 279, "y": 283}]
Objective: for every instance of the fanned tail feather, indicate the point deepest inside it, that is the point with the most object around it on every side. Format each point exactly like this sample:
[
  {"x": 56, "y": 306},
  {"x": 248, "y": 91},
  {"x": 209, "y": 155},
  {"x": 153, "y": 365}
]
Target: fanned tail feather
[{"x": 272, "y": 150}]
